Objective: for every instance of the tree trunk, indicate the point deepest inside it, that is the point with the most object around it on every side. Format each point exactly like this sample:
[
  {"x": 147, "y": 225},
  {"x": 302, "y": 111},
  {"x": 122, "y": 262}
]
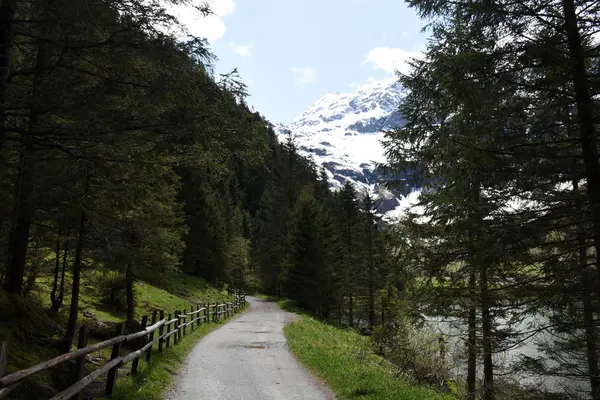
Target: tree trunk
[
  {"x": 30, "y": 281},
  {"x": 129, "y": 289},
  {"x": 7, "y": 16},
  {"x": 61, "y": 291},
  {"x": 486, "y": 325},
  {"x": 382, "y": 312},
  {"x": 371, "y": 271},
  {"x": 24, "y": 214},
  {"x": 585, "y": 115},
  {"x": 54, "y": 293},
  {"x": 25, "y": 205},
  {"x": 74, "y": 310},
  {"x": 591, "y": 337},
  {"x": 472, "y": 340},
  {"x": 351, "y": 310}
]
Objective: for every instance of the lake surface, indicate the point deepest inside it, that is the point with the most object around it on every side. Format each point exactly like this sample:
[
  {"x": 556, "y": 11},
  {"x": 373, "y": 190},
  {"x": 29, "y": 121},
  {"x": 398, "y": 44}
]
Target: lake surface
[{"x": 455, "y": 334}]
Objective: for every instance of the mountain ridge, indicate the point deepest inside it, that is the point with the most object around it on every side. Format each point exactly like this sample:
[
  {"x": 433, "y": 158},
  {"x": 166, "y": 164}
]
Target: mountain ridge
[{"x": 342, "y": 132}]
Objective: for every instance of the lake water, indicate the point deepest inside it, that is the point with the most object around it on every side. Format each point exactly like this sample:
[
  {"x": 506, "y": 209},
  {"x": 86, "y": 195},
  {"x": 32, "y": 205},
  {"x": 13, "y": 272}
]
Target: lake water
[{"x": 455, "y": 335}]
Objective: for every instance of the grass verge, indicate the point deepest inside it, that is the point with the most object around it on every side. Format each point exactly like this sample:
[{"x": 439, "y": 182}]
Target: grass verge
[
  {"x": 32, "y": 330},
  {"x": 156, "y": 378},
  {"x": 343, "y": 359}
]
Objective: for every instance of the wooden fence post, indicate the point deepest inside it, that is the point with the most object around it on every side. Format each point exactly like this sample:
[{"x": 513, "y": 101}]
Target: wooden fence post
[
  {"x": 3, "y": 358},
  {"x": 198, "y": 315},
  {"x": 192, "y": 318},
  {"x": 206, "y": 320},
  {"x": 184, "y": 320},
  {"x": 176, "y": 327},
  {"x": 161, "y": 331},
  {"x": 82, "y": 339},
  {"x": 151, "y": 337},
  {"x": 111, "y": 377},
  {"x": 140, "y": 344},
  {"x": 169, "y": 330}
]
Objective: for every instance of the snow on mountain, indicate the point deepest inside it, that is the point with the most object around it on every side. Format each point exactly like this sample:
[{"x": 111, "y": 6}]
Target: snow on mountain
[{"x": 343, "y": 132}]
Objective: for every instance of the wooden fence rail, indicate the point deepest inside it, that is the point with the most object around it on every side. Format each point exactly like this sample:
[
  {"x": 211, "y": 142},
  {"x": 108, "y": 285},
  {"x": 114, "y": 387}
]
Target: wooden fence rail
[{"x": 143, "y": 340}]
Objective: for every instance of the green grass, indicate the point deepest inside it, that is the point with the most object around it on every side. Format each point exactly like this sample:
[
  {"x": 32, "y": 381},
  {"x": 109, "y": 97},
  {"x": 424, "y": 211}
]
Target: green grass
[
  {"x": 343, "y": 359},
  {"x": 32, "y": 330},
  {"x": 174, "y": 290}
]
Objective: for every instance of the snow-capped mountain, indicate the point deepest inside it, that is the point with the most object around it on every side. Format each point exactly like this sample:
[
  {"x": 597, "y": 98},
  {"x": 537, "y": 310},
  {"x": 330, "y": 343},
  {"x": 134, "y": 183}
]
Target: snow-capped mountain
[{"x": 343, "y": 132}]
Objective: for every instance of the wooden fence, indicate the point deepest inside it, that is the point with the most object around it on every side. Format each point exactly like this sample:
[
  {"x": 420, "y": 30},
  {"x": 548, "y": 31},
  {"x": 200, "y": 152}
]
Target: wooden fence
[{"x": 160, "y": 331}]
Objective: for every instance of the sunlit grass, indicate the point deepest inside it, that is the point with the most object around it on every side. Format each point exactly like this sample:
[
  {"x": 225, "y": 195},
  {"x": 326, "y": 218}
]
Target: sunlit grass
[{"x": 343, "y": 359}]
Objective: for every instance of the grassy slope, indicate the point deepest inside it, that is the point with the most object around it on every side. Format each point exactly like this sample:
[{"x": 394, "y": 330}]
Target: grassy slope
[
  {"x": 32, "y": 330},
  {"x": 344, "y": 361}
]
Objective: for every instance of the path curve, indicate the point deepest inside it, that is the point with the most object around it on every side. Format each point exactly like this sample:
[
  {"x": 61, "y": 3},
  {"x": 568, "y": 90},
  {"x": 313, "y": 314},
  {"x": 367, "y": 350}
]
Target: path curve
[{"x": 247, "y": 358}]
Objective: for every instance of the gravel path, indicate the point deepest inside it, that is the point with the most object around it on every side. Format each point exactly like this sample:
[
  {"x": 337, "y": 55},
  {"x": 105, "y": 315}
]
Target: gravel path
[{"x": 248, "y": 359}]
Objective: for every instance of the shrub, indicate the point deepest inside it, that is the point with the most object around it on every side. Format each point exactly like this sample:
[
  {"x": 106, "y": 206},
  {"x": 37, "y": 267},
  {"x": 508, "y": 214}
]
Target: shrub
[
  {"x": 112, "y": 291},
  {"x": 416, "y": 353}
]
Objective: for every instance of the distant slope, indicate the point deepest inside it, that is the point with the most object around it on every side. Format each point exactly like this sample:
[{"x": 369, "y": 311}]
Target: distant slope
[{"x": 343, "y": 133}]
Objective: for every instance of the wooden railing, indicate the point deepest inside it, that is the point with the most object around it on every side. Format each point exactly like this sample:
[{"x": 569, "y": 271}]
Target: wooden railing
[{"x": 159, "y": 333}]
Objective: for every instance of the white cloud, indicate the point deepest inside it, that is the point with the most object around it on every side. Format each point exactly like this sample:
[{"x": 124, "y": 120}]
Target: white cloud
[
  {"x": 221, "y": 8},
  {"x": 244, "y": 50},
  {"x": 391, "y": 59},
  {"x": 372, "y": 83},
  {"x": 211, "y": 27},
  {"x": 304, "y": 75}
]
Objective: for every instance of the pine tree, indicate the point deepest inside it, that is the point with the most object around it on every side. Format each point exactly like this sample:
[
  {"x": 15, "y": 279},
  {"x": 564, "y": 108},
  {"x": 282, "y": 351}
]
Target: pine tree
[
  {"x": 496, "y": 89},
  {"x": 349, "y": 266},
  {"x": 308, "y": 273}
]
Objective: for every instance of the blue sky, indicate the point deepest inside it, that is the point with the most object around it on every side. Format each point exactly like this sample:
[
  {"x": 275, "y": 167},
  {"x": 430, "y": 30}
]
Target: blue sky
[{"x": 290, "y": 53}]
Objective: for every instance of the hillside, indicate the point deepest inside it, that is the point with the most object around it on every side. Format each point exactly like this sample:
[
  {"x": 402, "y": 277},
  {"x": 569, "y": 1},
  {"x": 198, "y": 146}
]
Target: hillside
[{"x": 33, "y": 331}]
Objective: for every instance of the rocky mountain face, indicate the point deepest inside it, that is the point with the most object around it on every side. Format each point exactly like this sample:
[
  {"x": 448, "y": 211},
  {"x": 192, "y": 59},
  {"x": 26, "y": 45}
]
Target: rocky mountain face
[{"x": 342, "y": 132}]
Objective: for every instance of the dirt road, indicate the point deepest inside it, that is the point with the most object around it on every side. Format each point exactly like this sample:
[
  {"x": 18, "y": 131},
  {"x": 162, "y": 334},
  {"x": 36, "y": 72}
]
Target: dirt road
[{"x": 248, "y": 359}]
